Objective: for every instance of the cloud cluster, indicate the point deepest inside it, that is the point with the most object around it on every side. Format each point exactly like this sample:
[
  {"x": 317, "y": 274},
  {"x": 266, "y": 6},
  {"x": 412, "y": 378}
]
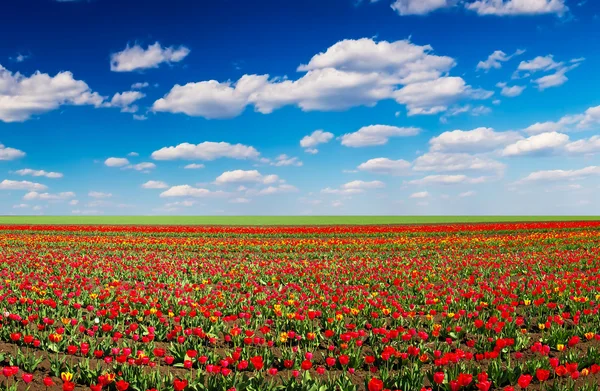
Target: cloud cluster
[
  {"x": 135, "y": 57},
  {"x": 350, "y": 73},
  {"x": 22, "y": 97}
]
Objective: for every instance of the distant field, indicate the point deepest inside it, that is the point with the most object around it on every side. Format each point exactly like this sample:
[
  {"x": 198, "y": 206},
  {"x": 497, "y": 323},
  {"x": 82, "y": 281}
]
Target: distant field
[{"x": 278, "y": 220}]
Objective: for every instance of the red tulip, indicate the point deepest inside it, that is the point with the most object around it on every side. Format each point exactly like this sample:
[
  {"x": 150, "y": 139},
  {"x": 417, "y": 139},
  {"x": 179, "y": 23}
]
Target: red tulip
[
  {"x": 180, "y": 384},
  {"x": 524, "y": 381},
  {"x": 375, "y": 385},
  {"x": 542, "y": 374},
  {"x": 122, "y": 385},
  {"x": 438, "y": 377}
]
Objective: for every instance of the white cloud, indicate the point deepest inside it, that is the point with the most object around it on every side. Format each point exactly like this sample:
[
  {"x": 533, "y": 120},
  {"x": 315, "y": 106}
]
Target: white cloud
[
  {"x": 418, "y": 7},
  {"x": 469, "y": 193},
  {"x": 283, "y": 188},
  {"x": 447, "y": 180},
  {"x": 7, "y": 184},
  {"x": 383, "y": 165},
  {"x": 20, "y": 206},
  {"x": 476, "y": 140},
  {"x": 561, "y": 175},
  {"x": 133, "y": 154},
  {"x": 376, "y": 135},
  {"x": 21, "y": 97},
  {"x": 568, "y": 123},
  {"x": 139, "y": 85},
  {"x": 211, "y": 99},
  {"x": 420, "y": 195},
  {"x": 511, "y": 91},
  {"x": 496, "y": 59},
  {"x": 553, "y": 80},
  {"x": 138, "y": 117},
  {"x": 315, "y": 138},
  {"x": 186, "y": 203},
  {"x": 29, "y": 171},
  {"x": 584, "y": 146},
  {"x": 439, "y": 161},
  {"x": 145, "y": 166},
  {"x": 240, "y": 200},
  {"x": 190, "y": 191},
  {"x": 350, "y": 73},
  {"x": 434, "y": 96},
  {"x": 326, "y": 89},
  {"x": 540, "y": 63},
  {"x": 538, "y": 144},
  {"x": 546, "y": 64},
  {"x": 98, "y": 194},
  {"x": 401, "y": 58},
  {"x": 7, "y": 153},
  {"x": 206, "y": 151},
  {"x": 124, "y": 100},
  {"x": 517, "y": 7},
  {"x": 73, "y": 202},
  {"x": 241, "y": 176},
  {"x": 33, "y": 195},
  {"x": 354, "y": 187},
  {"x": 194, "y": 166},
  {"x": 135, "y": 57},
  {"x": 116, "y": 162},
  {"x": 285, "y": 160},
  {"x": 155, "y": 185}
]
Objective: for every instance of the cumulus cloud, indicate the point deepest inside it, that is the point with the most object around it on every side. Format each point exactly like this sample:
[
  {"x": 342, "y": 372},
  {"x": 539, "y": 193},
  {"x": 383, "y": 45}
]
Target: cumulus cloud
[
  {"x": 135, "y": 57},
  {"x": 190, "y": 191},
  {"x": 275, "y": 189},
  {"x": 539, "y": 144},
  {"x": 7, "y": 153},
  {"x": 568, "y": 123},
  {"x": 383, "y": 165},
  {"x": 144, "y": 166},
  {"x": 584, "y": 146},
  {"x": 116, "y": 162},
  {"x": 124, "y": 101},
  {"x": 155, "y": 185},
  {"x": 139, "y": 85},
  {"x": 510, "y": 91},
  {"x": 496, "y": 59},
  {"x": 22, "y": 97},
  {"x": 354, "y": 187},
  {"x": 376, "y": 135},
  {"x": 434, "y": 96},
  {"x": 315, "y": 138},
  {"x": 546, "y": 64},
  {"x": 561, "y": 175},
  {"x": 418, "y": 7},
  {"x": 465, "y": 194},
  {"x": 420, "y": 194},
  {"x": 207, "y": 150},
  {"x": 472, "y": 141},
  {"x": 29, "y": 171},
  {"x": 440, "y": 161},
  {"x": 7, "y": 184},
  {"x": 34, "y": 195},
  {"x": 285, "y": 160},
  {"x": 517, "y": 7},
  {"x": 350, "y": 73},
  {"x": 98, "y": 194},
  {"x": 211, "y": 99},
  {"x": 194, "y": 166},
  {"x": 242, "y": 176},
  {"x": 447, "y": 180}
]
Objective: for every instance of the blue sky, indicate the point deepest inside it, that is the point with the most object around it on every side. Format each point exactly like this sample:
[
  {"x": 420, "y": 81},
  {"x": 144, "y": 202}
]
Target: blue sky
[{"x": 311, "y": 107}]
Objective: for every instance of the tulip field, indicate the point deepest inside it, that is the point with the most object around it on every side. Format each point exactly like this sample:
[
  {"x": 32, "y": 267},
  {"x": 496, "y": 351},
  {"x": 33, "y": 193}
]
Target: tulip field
[{"x": 487, "y": 306}]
